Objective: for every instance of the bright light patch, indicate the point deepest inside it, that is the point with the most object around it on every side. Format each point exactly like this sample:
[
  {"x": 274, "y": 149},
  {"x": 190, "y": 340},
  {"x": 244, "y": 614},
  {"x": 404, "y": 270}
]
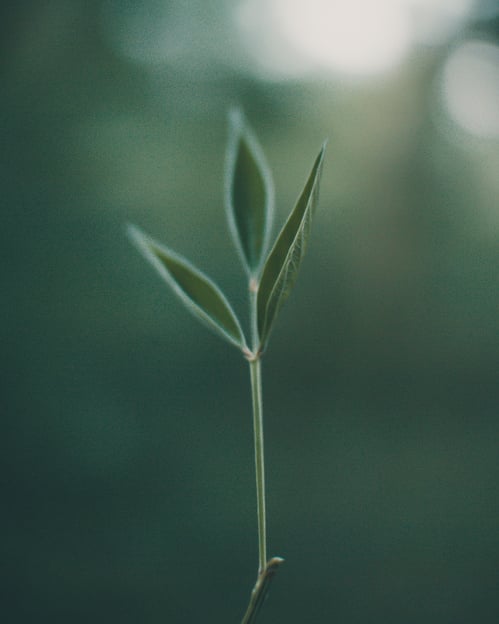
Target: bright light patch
[
  {"x": 471, "y": 88},
  {"x": 352, "y": 37}
]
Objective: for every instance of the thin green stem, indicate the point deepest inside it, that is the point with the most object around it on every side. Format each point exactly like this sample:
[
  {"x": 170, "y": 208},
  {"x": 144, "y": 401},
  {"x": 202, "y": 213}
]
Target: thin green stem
[
  {"x": 253, "y": 295},
  {"x": 266, "y": 569},
  {"x": 256, "y": 392}
]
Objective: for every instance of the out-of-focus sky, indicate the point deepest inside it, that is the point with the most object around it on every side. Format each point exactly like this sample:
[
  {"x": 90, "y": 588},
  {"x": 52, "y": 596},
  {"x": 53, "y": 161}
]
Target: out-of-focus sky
[{"x": 128, "y": 480}]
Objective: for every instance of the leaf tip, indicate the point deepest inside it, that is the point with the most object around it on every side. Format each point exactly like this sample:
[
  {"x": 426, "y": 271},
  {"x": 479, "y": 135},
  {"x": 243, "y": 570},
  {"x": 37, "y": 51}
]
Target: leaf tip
[
  {"x": 236, "y": 119},
  {"x": 132, "y": 231},
  {"x": 139, "y": 239},
  {"x": 135, "y": 235},
  {"x": 322, "y": 151}
]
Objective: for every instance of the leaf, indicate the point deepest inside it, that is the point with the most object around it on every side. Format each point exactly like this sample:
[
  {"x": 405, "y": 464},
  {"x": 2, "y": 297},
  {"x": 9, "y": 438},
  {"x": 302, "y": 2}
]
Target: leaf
[
  {"x": 281, "y": 267},
  {"x": 198, "y": 293},
  {"x": 249, "y": 193}
]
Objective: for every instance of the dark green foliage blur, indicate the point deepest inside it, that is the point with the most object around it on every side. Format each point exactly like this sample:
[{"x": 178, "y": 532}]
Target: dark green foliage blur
[{"x": 127, "y": 453}]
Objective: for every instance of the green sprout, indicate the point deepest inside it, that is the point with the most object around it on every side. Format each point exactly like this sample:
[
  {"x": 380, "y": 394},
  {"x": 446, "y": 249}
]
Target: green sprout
[{"x": 249, "y": 199}]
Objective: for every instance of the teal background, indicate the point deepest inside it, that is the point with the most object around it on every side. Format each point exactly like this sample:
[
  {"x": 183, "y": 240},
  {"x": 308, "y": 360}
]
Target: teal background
[{"x": 127, "y": 460}]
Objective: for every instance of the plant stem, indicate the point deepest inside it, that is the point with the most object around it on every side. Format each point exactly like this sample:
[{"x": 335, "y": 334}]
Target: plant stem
[
  {"x": 256, "y": 392},
  {"x": 260, "y": 590},
  {"x": 256, "y": 396},
  {"x": 253, "y": 297},
  {"x": 266, "y": 569}
]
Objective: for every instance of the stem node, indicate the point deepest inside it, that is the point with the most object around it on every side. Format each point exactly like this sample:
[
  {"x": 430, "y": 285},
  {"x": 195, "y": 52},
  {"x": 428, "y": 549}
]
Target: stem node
[{"x": 261, "y": 589}]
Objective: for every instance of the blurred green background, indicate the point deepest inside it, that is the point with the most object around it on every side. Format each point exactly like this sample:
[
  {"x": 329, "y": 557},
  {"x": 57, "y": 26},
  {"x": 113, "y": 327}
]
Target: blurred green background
[{"x": 127, "y": 461}]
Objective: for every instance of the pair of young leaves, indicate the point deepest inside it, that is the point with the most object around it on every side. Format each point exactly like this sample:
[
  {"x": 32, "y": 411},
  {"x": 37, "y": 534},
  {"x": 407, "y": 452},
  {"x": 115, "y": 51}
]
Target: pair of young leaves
[{"x": 249, "y": 204}]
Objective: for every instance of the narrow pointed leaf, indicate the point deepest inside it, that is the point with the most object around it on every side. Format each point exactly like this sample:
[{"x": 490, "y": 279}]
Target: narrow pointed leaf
[
  {"x": 198, "y": 293},
  {"x": 249, "y": 193},
  {"x": 281, "y": 268}
]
